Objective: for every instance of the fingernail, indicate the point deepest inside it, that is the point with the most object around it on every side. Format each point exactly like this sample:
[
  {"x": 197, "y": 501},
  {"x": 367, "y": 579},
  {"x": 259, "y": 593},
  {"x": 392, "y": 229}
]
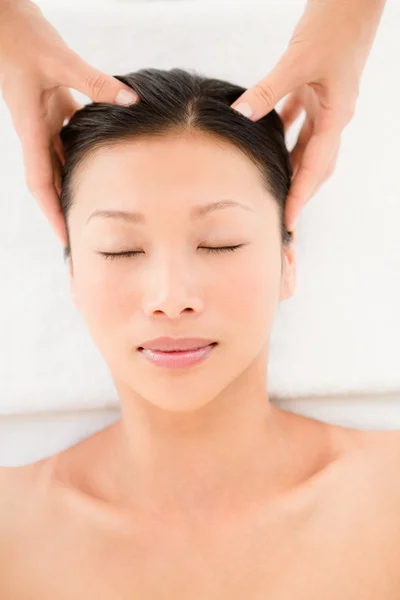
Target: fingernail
[
  {"x": 244, "y": 109},
  {"x": 125, "y": 98}
]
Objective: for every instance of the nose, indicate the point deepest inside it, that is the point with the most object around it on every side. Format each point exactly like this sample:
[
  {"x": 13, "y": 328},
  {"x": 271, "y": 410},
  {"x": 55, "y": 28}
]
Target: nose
[{"x": 172, "y": 290}]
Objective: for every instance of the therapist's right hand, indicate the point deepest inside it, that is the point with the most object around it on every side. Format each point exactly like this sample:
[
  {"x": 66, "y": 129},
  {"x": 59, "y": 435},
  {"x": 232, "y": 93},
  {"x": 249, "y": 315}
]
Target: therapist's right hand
[{"x": 36, "y": 70}]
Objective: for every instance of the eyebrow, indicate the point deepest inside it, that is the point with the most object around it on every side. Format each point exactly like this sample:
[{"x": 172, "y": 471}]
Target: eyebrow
[{"x": 197, "y": 211}]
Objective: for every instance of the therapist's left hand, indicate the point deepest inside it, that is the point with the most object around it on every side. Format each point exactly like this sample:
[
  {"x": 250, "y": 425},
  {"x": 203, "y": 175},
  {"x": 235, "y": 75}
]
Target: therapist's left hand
[{"x": 321, "y": 70}]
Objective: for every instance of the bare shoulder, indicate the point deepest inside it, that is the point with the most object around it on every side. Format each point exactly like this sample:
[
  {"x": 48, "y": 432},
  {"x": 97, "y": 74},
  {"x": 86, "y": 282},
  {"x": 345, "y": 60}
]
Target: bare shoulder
[
  {"x": 11, "y": 480},
  {"x": 373, "y": 455},
  {"x": 19, "y": 492},
  {"x": 17, "y": 485},
  {"x": 368, "y": 478},
  {"x": 381, "y": 450},
  {"x": 383, "y": 453},
  {"x": 9, "y": 506}
]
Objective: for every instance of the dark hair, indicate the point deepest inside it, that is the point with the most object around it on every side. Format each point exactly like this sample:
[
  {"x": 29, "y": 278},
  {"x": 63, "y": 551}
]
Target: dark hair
[{"x": 177, "y": 100}]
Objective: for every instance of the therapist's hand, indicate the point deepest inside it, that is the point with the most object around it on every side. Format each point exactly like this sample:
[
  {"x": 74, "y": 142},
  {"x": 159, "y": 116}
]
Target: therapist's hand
[
  {"x": 36, "y": 70},
  {"x": 321, "y": 70}
]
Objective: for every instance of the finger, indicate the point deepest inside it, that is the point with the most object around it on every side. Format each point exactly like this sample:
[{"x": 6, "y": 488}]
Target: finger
[
  {"x": 66, "y": 106},
  {"x": 57, "y": 167},
  {"x": 260, "y": 99},
  {"x": 313, "y": 164},
  {"x": 332, "y": 165},
  {"x": 58, "y": 148},
  {"x": 301, "y": 143},
  {"x": 329, "y": 171},
  {"x": 69, "y": 113},
  {"x": 97, "y": 85},
  {"x": 290, "y": 110},
  {"x": 58, "y": 222},
  {"x": 40, "y": 176},
  {"x": 28, "y": 116}
]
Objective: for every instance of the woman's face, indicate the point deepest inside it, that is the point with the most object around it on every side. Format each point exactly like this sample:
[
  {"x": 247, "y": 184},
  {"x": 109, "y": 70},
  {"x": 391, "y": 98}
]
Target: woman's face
[{"x": 174, "y": 286}]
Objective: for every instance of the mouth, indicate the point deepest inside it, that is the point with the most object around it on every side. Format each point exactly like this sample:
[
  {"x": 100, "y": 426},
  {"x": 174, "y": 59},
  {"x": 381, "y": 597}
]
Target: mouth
[
  {"x": 177, "y": 359},
  {"x": 178, "y": 351}
]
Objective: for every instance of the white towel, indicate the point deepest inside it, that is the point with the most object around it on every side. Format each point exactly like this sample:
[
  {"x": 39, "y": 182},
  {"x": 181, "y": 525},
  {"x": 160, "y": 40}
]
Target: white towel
[{"x": 340, "y": 331}]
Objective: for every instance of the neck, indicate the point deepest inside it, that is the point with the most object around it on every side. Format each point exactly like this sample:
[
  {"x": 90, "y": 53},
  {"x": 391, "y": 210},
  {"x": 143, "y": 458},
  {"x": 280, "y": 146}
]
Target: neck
[{"x": 235, "y": 446}]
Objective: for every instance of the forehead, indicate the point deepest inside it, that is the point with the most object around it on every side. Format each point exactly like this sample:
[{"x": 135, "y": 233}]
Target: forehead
[
  {"x": 180, "y": 158},
  {"x": 188, "y": 168}
]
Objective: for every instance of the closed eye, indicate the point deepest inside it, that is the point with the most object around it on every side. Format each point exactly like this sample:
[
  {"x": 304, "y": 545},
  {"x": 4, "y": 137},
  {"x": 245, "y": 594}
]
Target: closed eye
[{"x": 113, "y": 256}]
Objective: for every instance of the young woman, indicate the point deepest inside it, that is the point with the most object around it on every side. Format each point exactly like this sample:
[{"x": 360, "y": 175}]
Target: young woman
[{"x": 203, "y": 489}]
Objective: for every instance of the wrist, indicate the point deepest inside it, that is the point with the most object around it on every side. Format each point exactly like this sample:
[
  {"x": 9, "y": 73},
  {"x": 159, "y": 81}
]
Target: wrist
[
  {"x": 363, "y": 16},
  {"x": 5, "y": 5},
  {"x": 364, "y": 7},
  {"x": 10, "y": 5}
]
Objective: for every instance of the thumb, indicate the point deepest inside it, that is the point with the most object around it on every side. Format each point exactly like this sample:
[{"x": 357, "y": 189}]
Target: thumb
[
  {"x": 99, "y": 86},
  {"x": 261, "y": 98}
]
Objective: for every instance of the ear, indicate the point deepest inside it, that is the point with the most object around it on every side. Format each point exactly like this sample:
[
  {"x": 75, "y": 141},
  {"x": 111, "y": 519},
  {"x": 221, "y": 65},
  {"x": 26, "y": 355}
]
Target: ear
[{"x": 288, "y": 280}]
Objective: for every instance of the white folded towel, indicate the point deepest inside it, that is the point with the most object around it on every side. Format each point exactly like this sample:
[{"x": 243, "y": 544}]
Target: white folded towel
[{"x": 339, "y": 333}]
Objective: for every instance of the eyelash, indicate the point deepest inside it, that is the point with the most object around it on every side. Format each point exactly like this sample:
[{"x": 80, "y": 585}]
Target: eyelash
[{"x": 113, "y": 256}]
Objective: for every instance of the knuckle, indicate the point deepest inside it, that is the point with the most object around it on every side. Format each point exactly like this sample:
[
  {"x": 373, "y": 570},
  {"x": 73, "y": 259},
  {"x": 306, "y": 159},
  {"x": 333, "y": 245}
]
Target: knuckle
[
  {"x": 265, "y": 93},
  {"x": 331, "y": 169},
  {"x": 348, "y": 112},
  {"x": 347, "y": 108},
  {"x": 345, "y": 112},
  {"x": 299, "y": 64},
  {"x": 30, "y": 182},
  {"x": 95, "y": 84},
  {"x": 306, "y": 172}
]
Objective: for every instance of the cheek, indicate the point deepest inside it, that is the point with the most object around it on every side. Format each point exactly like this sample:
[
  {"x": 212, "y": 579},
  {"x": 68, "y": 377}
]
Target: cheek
[
  {"x": 250, "y": 289},
  {"x": 104, "y": 302}
]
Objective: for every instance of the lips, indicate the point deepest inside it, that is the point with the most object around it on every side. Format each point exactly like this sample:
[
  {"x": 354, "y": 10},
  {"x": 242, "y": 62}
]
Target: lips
[
  {"x": 167, "y": 344},
  {"x": 178, "y": 359},
  {"x": 178, "y": 351}
]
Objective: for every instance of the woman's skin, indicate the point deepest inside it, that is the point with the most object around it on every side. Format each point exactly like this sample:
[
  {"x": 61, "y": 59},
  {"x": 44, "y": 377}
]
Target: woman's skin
[
  {"x": 203, "y": 488},
  {"x": 320, "y": 69},
  {"x": 178, "y": 424}
]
